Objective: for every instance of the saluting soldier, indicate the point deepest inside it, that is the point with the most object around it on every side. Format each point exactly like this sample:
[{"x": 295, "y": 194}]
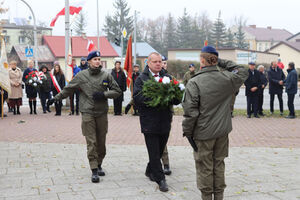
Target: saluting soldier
[
  {"x": 207, "y": 119},
  {"x": 96, "y": 86}
]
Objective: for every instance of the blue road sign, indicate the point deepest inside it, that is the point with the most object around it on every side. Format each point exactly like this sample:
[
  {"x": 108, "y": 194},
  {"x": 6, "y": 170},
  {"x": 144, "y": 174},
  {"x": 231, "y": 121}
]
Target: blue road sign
[{"x": 28, "y": 52}]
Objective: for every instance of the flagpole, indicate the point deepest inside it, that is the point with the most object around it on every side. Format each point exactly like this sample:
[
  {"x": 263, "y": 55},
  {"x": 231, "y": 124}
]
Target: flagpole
[
  {"x": 135, "y": 37},
  {"x": 98, "y": 45},
  {"x": 2, "y": 102},
  {"x": 67, "y": 34}
]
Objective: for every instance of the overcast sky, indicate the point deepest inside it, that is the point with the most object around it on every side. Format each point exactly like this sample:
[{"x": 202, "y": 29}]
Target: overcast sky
[{"x": 278, "y": 13}]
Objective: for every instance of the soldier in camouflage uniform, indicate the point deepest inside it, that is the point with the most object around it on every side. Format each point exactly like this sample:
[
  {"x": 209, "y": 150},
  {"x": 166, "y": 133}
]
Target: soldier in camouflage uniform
[
  {"x": 95, "y": 86},
  {"x": 189, "y": 74}
]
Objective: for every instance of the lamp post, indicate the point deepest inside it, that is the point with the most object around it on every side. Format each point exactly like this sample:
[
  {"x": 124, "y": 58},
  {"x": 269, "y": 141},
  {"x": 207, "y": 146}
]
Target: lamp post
[{"x": 34, "y": 33}]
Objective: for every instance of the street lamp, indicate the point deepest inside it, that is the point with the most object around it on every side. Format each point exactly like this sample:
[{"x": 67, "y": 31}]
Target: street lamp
[{"x": 34, "y": 33}]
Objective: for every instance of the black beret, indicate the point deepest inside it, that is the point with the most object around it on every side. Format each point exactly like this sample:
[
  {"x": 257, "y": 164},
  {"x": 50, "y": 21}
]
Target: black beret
[
  {"x": 164, "y": 58},
  {"x": 93, "y": 54},
  {"x": 210, "y": 49}
]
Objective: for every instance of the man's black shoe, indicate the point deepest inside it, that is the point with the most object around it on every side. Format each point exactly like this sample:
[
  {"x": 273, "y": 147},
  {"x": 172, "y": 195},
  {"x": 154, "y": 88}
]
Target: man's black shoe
[
  {"x": 127, "y": 108},
  {"x": 167, "y": 170},
  {"x": 261, "y": 114},
  {"x": 248, "y": 116},
  {"x": 95, "y": 177},
  {"x": 149, "y": 175},
  {"x": 163, "y": 186},
  {"x": 100, "y": 171},
  {"x": 290, "y": 117},
  {"x": 256, "y": 116}
]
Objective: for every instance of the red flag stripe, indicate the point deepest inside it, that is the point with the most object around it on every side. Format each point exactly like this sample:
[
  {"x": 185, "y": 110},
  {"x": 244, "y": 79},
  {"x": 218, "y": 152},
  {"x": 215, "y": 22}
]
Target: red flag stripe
[
  {"x": 128, "y": 61},
  {"x": 72, "y": 11}
]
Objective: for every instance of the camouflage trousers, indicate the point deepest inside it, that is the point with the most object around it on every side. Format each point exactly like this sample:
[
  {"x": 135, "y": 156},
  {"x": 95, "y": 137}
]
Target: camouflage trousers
[
  {"x": 210, "y": 167},
  {"x": 95, "y": 129}
]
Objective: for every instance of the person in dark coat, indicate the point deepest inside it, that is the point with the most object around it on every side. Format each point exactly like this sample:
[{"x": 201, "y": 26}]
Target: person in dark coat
[
  {"x": 31, "y": 91},
  {"x": 252, "y": 88},
  {"x": 291, "y": 88},
  {"x": 276, "y": 78},
  {"x": 155, "y": 122},
  {"x": 264, "y": 83},
  {"x": 120, "y": 78},
  {"x": 58, "y": 83},
  {"x": 45, "y": 89},
  {"x": 5, "y": 96},
  {"x": 83, "y": 64},
  {"x": 135, "y": 74}
]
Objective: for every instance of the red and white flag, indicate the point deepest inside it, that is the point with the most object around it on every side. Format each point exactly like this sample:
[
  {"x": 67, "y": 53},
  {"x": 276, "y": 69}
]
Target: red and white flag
[
  {"x": 73, "y": 10},
  {"x": 90, "y": 46}
]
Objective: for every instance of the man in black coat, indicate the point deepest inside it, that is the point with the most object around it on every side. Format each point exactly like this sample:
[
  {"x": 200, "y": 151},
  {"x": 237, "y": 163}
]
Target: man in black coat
[
  {"x": 252, "y": 87},
  {"x": 120, "y": 78},
  {"x": 276, "y": 78},
  {"x": 264, "y": 83},
  {"x": 155, "y": 122},
  {"x": 291, "y": 88}
]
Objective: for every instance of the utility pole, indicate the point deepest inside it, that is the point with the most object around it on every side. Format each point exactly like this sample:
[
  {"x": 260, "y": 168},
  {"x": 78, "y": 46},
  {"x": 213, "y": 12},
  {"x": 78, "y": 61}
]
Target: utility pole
[
  {"x": 98, "y": 42},
  {"x": 67, "y": 33},
  {"x": 122, "y": 45},
  {"x": 34, "y": 34},
  {"x": 135, "y": 22}
]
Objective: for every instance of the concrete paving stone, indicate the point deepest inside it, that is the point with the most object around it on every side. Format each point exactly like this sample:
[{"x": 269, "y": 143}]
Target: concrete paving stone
[
  {"x": 112, "y": 176},
  {"x": 258, "y": 196},
  {"x": 288, "y": 194},
  {"x": 30, "y": 175},
  {"x": 36, "y": 183},
  {"x": 83, "y": 195},
  {"x": 102, "y": 185},
  {"x": 263, "y": 187},
  {"x": 144, "y": 197},
  {"x": 117, "y": 192},
  {"x": 133, "y": 182},
  {"x": 15, "y": 192},
  {"x": 8, "y": 183},
  {"x": 18, "y": 170},
  {"x": 55, "y": 189},
  {"x": 70, "y": 180},
  {"x": 47, "y": 174},
  {"x": 183, "y": 195},
  {"x": 3, "y": 171},
  {"x": 35, "y": 197}
]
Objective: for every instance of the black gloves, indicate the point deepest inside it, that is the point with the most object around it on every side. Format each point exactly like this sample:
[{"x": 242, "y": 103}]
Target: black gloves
[
  {"x": 97, "y": 96},
  {"x": 50, "y": 102}
]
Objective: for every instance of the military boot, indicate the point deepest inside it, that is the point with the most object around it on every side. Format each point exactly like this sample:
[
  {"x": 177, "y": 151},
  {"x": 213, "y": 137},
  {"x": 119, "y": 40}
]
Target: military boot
[
  {"x": 219, "y": 196},
  {"x": 163, "y": 186},
  {"x": 206, "y": 196},
  {"x": 100, "y": 171},
  {"x": 167, "y": 170},
  {"x": 95, "y": 177}
]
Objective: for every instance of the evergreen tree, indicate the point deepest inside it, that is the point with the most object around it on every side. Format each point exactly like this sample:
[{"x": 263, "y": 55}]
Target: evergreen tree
[
  {"x": 184, "y": 31},
  {"x": 80, "y": 24},
  {"x": 153, "y": 37},
  {"x": 205, "y": 25},
  {"x": 230, "y": 39},
  {"x": 197, "y": 35},
  {"x": 114, "y": 24},
  {"x": 170, "y": 36},
  {"x": 240, "y": 37},
  {"x": 218, "y": 32}
]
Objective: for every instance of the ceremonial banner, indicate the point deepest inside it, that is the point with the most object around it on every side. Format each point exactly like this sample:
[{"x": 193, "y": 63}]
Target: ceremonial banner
[
  {"x": 128, "y": 61},
  {"x": 4, "y": 77}
]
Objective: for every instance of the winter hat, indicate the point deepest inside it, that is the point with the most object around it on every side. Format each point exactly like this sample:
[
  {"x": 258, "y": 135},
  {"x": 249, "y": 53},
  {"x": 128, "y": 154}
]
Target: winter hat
[
  {"x": 209, "y": 49},
  {"x": 93, "y": 54}
]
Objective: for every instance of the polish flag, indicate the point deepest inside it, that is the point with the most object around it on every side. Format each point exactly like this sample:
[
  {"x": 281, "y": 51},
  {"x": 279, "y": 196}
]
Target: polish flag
[
  {"x": 90, "y": 46},
  {"x": 73, "y": 10}
]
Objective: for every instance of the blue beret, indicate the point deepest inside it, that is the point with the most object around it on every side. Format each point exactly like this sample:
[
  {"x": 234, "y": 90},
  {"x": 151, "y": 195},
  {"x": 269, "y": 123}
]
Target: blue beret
[
  {"x": 191, "y": 65},
  {"x": 251, "y": 63},
  {"x": 164, "y": 58},
  {"x": 93, "y": 54},
  {"x": 210, "y": 49},
  {"x": 83, "y": 59}
]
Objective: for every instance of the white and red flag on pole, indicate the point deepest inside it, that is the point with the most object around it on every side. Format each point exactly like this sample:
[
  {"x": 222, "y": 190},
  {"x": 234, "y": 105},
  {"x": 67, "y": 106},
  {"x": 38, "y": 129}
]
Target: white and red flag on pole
[
  {"x": 73, "y": 10},
  {"x": 90, "y": 46}
]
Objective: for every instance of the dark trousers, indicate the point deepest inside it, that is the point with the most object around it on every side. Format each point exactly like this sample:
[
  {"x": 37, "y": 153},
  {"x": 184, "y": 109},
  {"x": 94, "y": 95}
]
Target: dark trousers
[
  {"x": 118, "y": 105},
  {"x": 260, "y": 102},
  {"x": 290, "y": 103},
  {"x": 156, "y": 144},
  {"x": 72, "y": 97},
  {"x": 58, "y": 106},
  {"x": 252, "y": 104},
  {"x": 279, "y": 96},
  {"x": 44, "y": 96}
]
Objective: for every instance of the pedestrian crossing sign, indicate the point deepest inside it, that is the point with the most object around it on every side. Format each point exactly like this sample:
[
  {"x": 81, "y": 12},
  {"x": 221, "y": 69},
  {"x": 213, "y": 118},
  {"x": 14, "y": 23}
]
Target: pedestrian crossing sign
[{"x": 28, "y": 52}]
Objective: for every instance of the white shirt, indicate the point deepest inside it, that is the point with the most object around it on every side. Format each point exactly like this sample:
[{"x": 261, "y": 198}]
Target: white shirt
[{"x": 153, "y": 74}]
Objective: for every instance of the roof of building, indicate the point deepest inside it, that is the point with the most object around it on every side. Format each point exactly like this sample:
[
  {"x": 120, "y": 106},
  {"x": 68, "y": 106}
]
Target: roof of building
[
  {"x": 14, "y": 26},
  {"x": 143, "y": 49},
  {"x": 43, "y": 53},
  {"x": 289, "y": 38},
  {"x": 293, "y": 45},
  {"x": 267, "y": 34},
  {"x": 79, "y": 46}
]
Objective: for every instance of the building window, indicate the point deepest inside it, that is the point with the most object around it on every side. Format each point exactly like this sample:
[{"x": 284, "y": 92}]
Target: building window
[
  {"x": 104, "y": 64},
  {"x": 22, "y": 40},
  {"x": 6, "y": 39}
]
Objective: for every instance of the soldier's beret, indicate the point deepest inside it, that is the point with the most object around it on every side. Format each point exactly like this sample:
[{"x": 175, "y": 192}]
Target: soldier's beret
[
  {"x": 210, "y": 49},
  {"x": 164, "y": 58},
  {"x": 93, "y": 54},
  {"x": 191, "y": 65},
  {"x": 251, "y": 63},
  {"x": 83, "y": 59}
]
